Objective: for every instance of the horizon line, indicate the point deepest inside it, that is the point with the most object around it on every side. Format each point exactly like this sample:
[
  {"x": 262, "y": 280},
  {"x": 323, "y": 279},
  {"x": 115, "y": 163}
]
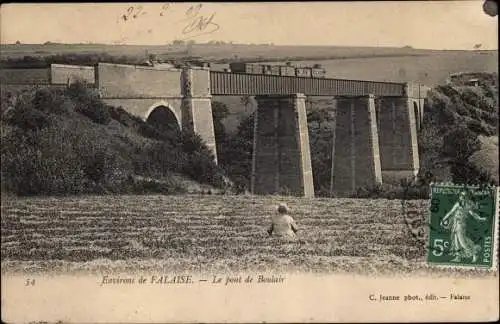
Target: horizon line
[{"x": 226, "y": 43}]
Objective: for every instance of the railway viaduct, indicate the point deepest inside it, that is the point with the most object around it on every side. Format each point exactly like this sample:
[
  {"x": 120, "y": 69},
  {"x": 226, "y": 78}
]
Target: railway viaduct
[{"x": 376, "y": 123}]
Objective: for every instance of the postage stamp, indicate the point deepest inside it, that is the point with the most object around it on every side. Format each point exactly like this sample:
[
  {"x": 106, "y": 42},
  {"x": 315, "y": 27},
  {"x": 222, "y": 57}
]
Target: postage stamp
[{"x": 463, "y": 226}]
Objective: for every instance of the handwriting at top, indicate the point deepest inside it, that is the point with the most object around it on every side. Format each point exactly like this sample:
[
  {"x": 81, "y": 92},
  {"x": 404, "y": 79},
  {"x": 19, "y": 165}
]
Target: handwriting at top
[
  {"x": 193, "y": 11},
  {"x": 197, "y": 23},
  {"x": 133, "y": 12},
  {"x": 164, "y": 8}
]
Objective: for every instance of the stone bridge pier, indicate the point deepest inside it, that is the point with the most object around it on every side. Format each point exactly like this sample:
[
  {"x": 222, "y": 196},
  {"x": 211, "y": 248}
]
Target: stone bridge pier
[
  {"x": 355, "y": 153},
  {"x": 398, "y": 122},
  {"x": 281, "y": 155},
  {"x": 196, "y": 105},
  {"x": 375, "y": 141}
]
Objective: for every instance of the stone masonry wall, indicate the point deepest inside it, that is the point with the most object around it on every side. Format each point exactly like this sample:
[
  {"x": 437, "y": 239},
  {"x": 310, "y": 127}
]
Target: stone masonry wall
[
  {"x": 282, "y": 162},
  {"x": 398, "y": 138},
  {"x": 356, "y": 155},
  {"x": 136, "y": 82},
  {"x": 63, "y": 74}
]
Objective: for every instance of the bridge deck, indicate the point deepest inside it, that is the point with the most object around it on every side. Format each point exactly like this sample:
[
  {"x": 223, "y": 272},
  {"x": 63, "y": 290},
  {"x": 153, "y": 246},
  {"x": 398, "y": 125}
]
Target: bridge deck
[{"x": 238, "y": 84}]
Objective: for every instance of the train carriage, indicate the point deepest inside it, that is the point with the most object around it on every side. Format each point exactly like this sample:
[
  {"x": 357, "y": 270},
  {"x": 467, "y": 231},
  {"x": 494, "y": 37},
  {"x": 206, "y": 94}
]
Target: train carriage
[
  {"x": 272, "y": 70},
  {"x": 318, "y": 72},
  {"x": 241, "y": 67},
  {"x": 303, "y": 72},
  {"x": 287, "y": 71},
  {"x": 281, "y": 70}
]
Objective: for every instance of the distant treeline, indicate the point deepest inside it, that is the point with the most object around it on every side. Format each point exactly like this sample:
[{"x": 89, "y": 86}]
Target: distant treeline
[
  {"x": 88, "y": 59},
  {"x": 29, "y": 61},
  {"x": 43, "y": 60}
]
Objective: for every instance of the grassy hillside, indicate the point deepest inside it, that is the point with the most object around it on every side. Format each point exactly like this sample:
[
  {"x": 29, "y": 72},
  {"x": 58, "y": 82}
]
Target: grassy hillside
[
  {"x": 486, "y": 158},
  {"x": 67, "y": 141},
  {"x": 459, "y": 138}
]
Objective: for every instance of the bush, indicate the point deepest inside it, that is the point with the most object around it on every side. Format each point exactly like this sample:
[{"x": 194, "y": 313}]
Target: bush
[
  {"x": 477, "y": 127},
  {"x": 149, "y": 131},
  {"x": 145, "y": 186},
  {"x": 120, "y": 115},
  {"x": 235, "y": 154},
  {"x": 321, "y": 141},
  {"x": 50, "y": 100},
  {"x": 59, "y": 160},
  {"x": 159, "y": 157},
  {"x": 490, "y": 118},
  {"x": 41, "y": 162},
  {"x": 28, "y": 118},
  {"x": 200, "y": 165},
  {"x": 468, "y": 173},
  {"x": 405, "y": 190},
  {"x": 95, "y": 111},
  {"x": 460, "y": 143},
  {"x": 88, "y": 103},
  {"x": 471, "y": 96},
  {"x": 98, "y": 165}
]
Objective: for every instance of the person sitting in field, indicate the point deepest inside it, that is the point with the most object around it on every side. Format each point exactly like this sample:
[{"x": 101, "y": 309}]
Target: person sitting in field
[{"x": 282, "y": 223}]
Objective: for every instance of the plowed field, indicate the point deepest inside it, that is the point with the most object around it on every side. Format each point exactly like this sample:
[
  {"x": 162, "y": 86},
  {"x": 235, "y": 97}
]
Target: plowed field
[{"x": 205, "y": 233}]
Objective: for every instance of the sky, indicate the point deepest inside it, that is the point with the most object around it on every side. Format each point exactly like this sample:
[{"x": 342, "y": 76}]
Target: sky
[{"x": 420, "y": 24}]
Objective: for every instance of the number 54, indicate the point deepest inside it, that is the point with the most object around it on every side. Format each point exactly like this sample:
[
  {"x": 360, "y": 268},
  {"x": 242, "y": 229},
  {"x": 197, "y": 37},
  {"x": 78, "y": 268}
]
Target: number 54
[
  {"x": 439, "y": 246},
  {"x": 30, "y": 282}
]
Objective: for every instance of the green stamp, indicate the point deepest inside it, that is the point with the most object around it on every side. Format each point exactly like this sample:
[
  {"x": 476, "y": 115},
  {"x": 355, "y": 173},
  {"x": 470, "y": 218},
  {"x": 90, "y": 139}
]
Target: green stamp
[{"x": 463, "y": 226}]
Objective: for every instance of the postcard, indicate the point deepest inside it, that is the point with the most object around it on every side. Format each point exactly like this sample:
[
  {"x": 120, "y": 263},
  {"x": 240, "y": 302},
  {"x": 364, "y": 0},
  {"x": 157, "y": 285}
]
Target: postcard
[{"x": 255, "y": 162}]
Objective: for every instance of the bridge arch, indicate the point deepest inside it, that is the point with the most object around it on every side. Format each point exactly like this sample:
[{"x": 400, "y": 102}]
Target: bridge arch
[{"x": 163, "y": 116}]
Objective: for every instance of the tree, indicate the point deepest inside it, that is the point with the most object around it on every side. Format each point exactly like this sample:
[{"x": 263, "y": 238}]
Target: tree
[
  {"x": 318, "y": 116},
  {"x": 235, "y": 155},
  {"x": 245, "y": 101},
  {"x": 219, "y": 112},
  {"x": 321, "y": 140},
  {"x": 460, "y": 143}
]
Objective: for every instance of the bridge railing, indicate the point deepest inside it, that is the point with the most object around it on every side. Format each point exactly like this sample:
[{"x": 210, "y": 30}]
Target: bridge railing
[{"x": 225, "y": 83}]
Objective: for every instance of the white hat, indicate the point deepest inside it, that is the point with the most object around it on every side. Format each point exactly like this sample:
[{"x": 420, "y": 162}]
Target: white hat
[{"x": 283, "y": 208}]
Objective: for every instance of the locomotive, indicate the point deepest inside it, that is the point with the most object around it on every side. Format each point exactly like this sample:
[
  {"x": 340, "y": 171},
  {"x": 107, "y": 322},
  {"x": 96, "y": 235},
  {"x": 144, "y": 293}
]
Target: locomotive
[{"x": 282, "y": 70}]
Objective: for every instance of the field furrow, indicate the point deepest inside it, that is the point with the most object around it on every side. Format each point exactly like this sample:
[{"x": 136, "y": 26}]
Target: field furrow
[{"x": 205, "y": 232}]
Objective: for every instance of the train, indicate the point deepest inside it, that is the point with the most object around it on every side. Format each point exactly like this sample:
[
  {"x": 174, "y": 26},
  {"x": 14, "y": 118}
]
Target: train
[{"x": 281, "y": 70}]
